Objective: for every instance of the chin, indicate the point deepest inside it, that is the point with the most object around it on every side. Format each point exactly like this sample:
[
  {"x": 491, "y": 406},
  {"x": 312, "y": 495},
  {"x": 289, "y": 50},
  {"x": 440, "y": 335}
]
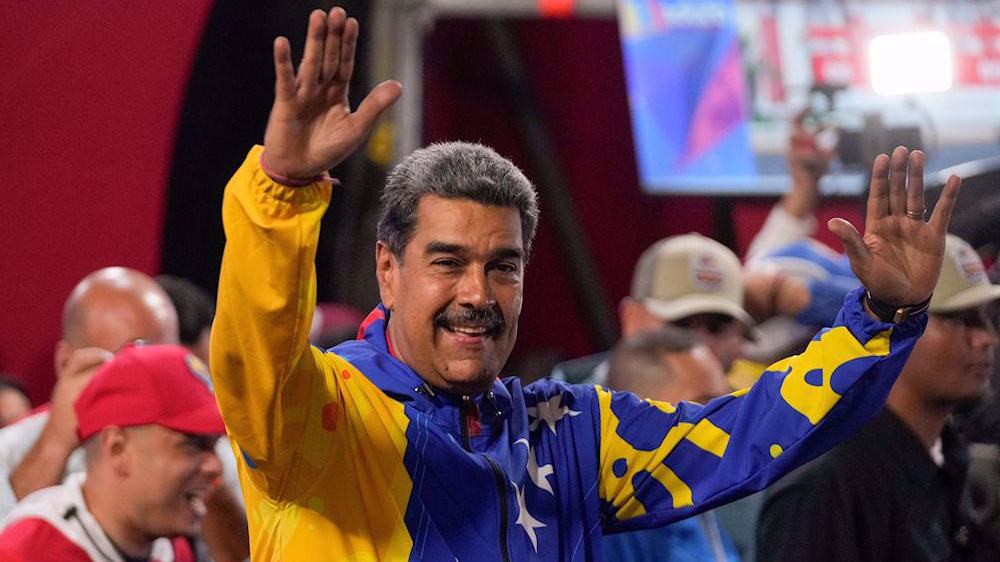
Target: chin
[{"x": 470, "y": 380}]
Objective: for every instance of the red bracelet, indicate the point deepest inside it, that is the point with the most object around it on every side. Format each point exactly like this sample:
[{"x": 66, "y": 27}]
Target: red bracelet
[{"x": 291, "y": 182}]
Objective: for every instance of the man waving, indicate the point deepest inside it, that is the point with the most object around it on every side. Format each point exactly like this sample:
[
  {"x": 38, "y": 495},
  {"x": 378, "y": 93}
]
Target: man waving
[{"x": 404, "y": 444}]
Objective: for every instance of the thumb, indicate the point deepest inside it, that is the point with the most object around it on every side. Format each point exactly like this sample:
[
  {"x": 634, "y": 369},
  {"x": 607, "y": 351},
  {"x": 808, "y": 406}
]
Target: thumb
[
  {"x": 377, "y": 101},
  {"x": 854, "y": 246}
]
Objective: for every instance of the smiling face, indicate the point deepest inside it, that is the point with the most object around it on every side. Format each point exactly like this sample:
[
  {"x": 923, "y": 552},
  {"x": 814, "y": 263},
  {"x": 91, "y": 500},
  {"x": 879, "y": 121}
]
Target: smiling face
[
  {"x": 455, "y": 294},
  {"x": 170, "y": 475}
]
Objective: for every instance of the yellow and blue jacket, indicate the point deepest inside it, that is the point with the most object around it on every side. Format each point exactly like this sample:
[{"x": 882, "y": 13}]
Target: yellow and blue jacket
[{"x": 346, "y": 454}]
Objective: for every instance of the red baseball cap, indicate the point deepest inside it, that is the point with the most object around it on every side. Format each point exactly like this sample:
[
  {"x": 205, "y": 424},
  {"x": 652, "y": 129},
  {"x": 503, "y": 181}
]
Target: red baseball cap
[{"x": 164, "y": 385}]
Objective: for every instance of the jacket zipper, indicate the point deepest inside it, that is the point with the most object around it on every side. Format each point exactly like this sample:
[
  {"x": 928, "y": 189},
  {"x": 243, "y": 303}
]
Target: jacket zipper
[{"x": 498, "y": 477}]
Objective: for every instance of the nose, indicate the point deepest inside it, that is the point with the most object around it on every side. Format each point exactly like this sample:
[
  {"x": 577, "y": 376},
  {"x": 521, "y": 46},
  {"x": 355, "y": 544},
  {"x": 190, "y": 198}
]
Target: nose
[
  {"x": 983, "y": 336},
  {"x": 210, "y": 465},
  {"x": 474, "y": 289}
]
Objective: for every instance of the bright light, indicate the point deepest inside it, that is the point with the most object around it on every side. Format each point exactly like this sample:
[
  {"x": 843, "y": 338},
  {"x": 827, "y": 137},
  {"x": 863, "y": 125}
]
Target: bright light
[{"x": 910, "y": 63}]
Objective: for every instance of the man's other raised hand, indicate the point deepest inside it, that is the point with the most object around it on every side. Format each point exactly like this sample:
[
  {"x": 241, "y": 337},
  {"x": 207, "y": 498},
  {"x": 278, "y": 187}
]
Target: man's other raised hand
[{"x": 899, "y": 257}]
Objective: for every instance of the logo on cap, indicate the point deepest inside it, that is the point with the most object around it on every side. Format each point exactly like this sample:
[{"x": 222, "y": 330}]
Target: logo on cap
[
  {"x": 970, "y": 266},
  {"x": 706, "y": 273},
  {"x": 199, "y": 370}
]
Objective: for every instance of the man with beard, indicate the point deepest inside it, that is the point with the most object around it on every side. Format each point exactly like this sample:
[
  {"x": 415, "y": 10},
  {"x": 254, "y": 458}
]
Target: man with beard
[
  {"x": 149, "y": 423},
  {"x": 404, "y": 444},
  {"x": 895, "y": 491}
]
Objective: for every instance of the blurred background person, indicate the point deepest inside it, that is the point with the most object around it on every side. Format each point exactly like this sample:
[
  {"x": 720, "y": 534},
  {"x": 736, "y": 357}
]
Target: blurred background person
[
  {"x": 14, "y": 403},
  {"x": 688, "y": 281},
  {"x": 666, "y": 364},
  {"x": 195, "y": 311},
  {"x": 149, "y": 423},
  {"x": 107, "y": 310},
  {"x": 896, "y": 490}
]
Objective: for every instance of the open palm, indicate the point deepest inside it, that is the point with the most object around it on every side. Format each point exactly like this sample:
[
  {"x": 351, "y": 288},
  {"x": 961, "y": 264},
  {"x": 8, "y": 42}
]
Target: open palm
[
  {"x": 899, "y": 257},
  {"x": 311, "y": 127}
]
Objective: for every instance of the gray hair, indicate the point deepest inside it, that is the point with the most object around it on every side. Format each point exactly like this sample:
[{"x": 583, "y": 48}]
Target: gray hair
[{"x": 454, "y": 170}]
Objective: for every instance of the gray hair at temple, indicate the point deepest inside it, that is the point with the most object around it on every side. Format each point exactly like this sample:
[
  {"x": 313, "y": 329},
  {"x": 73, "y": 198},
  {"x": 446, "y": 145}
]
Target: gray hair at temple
[{"x": 454, "y": 170}]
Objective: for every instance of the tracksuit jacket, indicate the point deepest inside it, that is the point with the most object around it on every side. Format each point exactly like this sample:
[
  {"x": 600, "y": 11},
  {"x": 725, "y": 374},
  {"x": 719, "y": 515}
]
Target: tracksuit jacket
[{"x": 347, "y": 454}]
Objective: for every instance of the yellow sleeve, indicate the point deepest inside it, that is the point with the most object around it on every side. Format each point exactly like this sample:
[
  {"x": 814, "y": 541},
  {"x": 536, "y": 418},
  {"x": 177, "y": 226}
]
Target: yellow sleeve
[{"x": 262, "y": 365}]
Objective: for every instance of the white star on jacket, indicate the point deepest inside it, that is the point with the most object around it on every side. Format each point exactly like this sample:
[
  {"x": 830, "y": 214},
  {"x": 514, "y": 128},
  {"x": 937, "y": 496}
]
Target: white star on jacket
[
  {"x": 539, "y": 474},
  {"x": 550, "y": 412},
  {"x": 525, "y": 520}
]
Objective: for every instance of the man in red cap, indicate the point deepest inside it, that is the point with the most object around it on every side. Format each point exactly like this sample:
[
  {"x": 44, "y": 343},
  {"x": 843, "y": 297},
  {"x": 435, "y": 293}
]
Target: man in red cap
[{"x": 148, "y": 421}]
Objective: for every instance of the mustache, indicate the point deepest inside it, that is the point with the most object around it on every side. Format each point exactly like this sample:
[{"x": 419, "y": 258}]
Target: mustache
[{"x": 490, "y": 318}]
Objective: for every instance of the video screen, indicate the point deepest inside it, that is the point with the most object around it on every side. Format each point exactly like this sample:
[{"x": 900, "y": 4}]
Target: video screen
[{"x": 714, "y": 85}]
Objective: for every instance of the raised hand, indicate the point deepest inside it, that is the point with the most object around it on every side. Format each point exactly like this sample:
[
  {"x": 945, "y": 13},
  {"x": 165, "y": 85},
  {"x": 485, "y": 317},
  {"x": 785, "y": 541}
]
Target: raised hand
[
  {"x": 899, "y": 258},
  {"x": 71, "y": 381},
  {"x": 807, "y": 160},
  {"x": 311, "y": 127}
]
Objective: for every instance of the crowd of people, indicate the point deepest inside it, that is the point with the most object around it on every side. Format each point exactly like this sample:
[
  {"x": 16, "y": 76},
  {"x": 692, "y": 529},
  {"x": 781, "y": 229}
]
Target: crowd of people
[{"x": 184, "y": 427}]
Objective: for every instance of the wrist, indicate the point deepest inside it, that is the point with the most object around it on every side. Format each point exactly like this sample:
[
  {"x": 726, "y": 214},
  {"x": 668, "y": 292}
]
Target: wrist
[
  {"x": 896, "y": 314},
  {"x": 286, "y": 180},
  {"x": 59, "y": 437}
]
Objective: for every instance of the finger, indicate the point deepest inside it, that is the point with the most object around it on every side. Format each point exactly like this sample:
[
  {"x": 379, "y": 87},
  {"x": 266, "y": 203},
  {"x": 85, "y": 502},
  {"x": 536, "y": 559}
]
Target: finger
[
  {"x": 348, "y": 47},
  {"x": 331, "y": 48},
  {"x": 854, "y": 246},
  {"x": 878, "y": 192},
  {"x": 312, "y": 57},
  {"x": 915, "y": 182},
  {"x": 86, "y": 359},
  {"x": 284, "y": 74},
  {"x": 377, "y": 101},
  {"x": 897, "y": 181},
  {"x": 945, "y": 205}
]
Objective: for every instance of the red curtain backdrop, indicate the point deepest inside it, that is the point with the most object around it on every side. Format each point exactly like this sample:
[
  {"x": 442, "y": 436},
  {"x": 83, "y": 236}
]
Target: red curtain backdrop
[{"x": 88, "y": 105}]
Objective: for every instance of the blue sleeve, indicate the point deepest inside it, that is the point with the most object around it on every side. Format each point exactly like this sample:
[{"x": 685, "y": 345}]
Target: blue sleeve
[{"x": 660, "y": 463}]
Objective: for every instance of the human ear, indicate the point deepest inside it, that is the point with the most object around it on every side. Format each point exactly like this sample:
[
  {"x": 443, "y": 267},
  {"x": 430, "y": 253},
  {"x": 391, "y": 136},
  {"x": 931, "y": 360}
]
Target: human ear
[{"x": 386, "y": 272}]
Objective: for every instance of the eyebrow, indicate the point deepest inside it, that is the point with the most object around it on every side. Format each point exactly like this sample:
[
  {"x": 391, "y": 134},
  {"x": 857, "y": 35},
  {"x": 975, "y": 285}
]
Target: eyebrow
[
  {"x": 508, "y": 253},
  {"x": 438, "y": 247}
]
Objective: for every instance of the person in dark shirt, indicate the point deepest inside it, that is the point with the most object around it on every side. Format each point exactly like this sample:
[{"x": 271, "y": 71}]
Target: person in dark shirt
[{"x": 895, "y": 491}]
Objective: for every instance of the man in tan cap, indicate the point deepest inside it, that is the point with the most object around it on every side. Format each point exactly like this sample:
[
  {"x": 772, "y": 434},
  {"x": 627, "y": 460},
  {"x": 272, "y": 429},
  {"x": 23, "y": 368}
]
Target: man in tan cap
[
  {"x": 689, "y": 281},
  {"x": 895, "y": 490}
]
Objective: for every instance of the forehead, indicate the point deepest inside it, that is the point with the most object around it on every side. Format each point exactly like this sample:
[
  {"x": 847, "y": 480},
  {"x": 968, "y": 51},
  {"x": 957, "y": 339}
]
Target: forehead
[{"x": 466, "y": 223}]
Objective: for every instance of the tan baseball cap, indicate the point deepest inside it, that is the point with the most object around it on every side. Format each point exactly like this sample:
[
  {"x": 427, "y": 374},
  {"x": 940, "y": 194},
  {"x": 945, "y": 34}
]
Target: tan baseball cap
[
  {"x": 690, "y": 274},
  {"x": 963, "y": 283}
]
